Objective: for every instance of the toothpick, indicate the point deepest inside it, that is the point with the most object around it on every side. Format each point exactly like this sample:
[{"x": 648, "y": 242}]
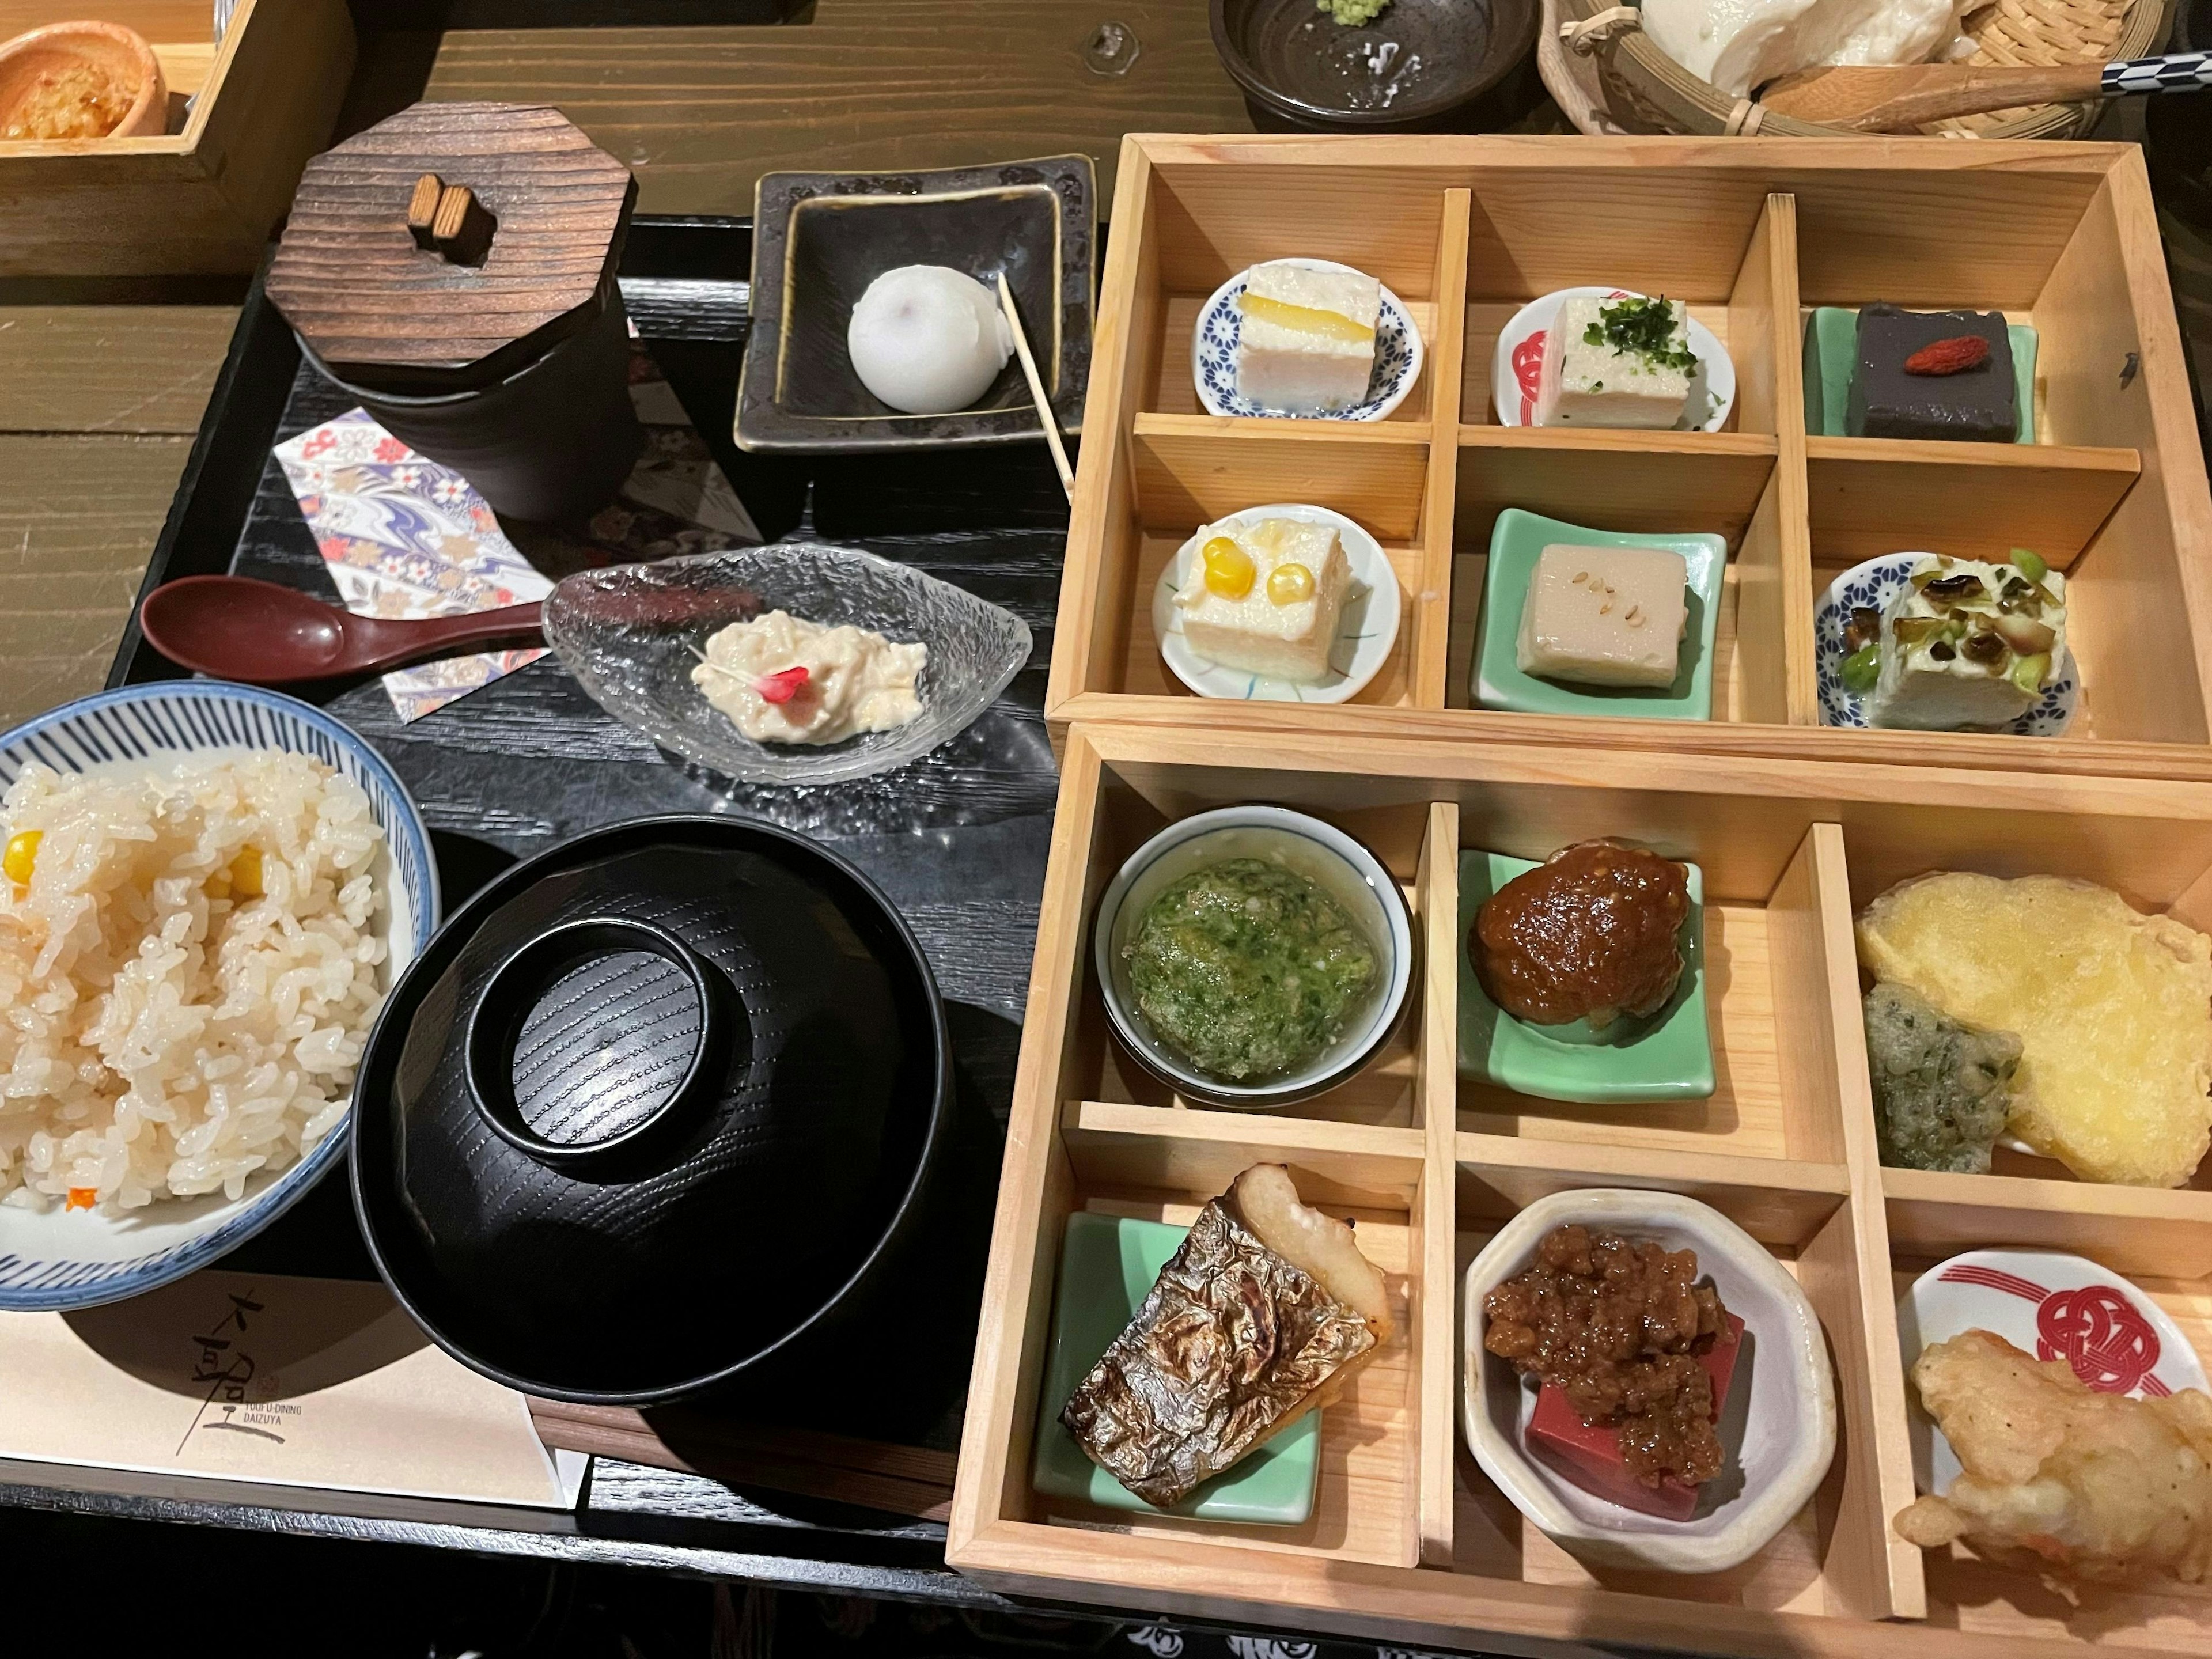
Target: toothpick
[{"x": 1036, "y": 388}]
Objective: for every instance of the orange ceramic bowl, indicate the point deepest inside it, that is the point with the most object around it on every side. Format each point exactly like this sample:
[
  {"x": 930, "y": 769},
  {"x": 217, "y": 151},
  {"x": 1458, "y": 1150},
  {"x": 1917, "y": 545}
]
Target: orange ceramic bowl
[{"x": 122, "y": 52}]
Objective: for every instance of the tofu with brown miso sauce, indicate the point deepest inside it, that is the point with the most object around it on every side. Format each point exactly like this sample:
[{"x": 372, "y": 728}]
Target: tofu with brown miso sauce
[{"x": 1606, "y": 616}]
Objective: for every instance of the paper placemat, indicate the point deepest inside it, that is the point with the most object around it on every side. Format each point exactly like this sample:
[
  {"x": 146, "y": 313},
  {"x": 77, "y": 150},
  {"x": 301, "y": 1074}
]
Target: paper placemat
[
  {"x": 404, "y": 536},
  {"x": 314, "y": 1383}
]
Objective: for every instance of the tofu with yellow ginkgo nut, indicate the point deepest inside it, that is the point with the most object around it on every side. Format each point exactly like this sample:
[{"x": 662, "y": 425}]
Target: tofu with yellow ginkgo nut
[
  {"x": 1605, "y": 616},
  {"x": 1277, "y": 614}
]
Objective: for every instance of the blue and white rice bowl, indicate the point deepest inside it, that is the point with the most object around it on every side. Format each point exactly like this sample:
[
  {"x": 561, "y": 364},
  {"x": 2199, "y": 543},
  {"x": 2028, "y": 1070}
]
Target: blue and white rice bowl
[
  {"x": 1220, "y": 323},
  {"x": 1874, "y": 585},
  {"x": 56, "y": 1258}
]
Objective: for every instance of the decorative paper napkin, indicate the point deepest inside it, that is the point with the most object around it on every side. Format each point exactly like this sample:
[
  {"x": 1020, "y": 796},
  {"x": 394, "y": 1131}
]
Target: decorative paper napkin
[
  {"x": 315, "y": 1383},
  {"x": 404, "y": 536}
]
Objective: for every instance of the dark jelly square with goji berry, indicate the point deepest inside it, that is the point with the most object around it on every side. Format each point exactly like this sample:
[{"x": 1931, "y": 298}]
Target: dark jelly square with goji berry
[{"x": 1933, "y": 374}]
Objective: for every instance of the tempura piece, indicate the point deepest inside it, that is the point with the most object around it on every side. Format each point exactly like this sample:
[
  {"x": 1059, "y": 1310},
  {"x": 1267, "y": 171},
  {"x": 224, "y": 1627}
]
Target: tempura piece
[
  {"x": 2113, "y": 1009},
  {"x": 2060, "y": 1479},
  {"x": 1941, "y": 1089},
  {"x": 1263, "y": 1314}
]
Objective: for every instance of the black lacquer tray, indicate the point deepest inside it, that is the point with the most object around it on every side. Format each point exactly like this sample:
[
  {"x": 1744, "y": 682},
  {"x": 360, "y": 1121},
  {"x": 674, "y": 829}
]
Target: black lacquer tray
[{"x": 956, "y": 840}]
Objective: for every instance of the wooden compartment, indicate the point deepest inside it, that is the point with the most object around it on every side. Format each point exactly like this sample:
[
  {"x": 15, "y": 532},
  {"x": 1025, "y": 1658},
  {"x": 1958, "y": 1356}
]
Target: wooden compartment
[
  {"x": 203, "y": 198},
  {"x": 1787, "y": 848},
  {"x": 1752, "y": 234}
]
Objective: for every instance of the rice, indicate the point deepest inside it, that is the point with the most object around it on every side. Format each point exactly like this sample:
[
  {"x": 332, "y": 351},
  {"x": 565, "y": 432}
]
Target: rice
[{"x": 167, "y": 1033}]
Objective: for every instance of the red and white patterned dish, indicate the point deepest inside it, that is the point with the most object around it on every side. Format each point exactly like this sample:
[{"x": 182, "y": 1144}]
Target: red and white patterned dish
[{"x": 2053, "y": 1306}]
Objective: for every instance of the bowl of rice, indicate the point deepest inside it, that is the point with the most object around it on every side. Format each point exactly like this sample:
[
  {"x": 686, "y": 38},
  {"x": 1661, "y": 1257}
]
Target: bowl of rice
[{"x": 206, "y": 890}]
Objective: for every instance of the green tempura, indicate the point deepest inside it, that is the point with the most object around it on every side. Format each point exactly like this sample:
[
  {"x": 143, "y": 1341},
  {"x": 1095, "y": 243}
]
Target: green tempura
[
  {"x": 1352, "y": 13},
  {"x": 1941, "y": 1088},
  {"x": 1247, "y": 969}
]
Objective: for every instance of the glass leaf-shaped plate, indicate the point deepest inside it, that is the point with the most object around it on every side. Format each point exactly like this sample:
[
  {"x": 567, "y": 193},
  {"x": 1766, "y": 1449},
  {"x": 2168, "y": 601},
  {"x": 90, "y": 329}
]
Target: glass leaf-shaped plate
[{"x": 632, "y": 634}]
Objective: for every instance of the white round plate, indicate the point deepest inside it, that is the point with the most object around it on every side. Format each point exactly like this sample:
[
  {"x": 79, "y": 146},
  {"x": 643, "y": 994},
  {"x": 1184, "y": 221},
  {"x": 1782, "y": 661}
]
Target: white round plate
[
  {"x": 62, "y": 1259},
  {"x": 1213, "y": 354},
  {"x": 2049, "y": 1306},
  {"x": 1518, "y": 362},
  {"x": 1366, "y": 627},
  {"x": 1873, "y": 583},
  {"x": 1789, "y": 1432}
]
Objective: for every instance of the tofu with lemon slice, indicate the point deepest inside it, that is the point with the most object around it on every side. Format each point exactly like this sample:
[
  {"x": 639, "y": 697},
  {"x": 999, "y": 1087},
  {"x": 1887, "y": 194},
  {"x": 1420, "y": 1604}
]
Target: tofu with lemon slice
[
  {"x": 1306, "y": 339},
  {"x": 1265, "y": 598}
]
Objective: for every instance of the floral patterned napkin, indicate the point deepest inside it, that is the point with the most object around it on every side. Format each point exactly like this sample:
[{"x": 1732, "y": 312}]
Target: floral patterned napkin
[{"x": 403, "y": 536}]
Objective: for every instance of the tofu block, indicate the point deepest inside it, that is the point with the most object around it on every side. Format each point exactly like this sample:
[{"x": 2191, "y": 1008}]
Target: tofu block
[
  {"x": 1977, "y": 404},
  {"x": 1616, "y": 363},
  {"x": 1606, "y": 616},
  {"x": 1306, "y": 339},
  {"x": 1257, "y": 631},
  {"x": 1590, "y": 1457},
  {"x": 1937, "y": 672}
]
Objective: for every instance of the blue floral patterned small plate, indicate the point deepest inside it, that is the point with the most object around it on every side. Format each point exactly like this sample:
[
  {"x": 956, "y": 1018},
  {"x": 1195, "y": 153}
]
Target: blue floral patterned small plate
[
  {"x": 1214, "y": 355},
  {"x": 1873, "y": 583}
]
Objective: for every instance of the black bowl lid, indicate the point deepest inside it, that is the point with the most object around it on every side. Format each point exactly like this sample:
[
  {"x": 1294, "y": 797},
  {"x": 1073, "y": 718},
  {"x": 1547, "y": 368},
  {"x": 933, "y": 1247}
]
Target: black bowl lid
[{"x": 648, "y": 1106}]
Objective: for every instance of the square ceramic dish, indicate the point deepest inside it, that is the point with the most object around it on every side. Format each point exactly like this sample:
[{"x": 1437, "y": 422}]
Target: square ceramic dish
[
  {"x": 1832, "y": 358},
  {"x": 1517, "y": 542},
  {"x": 1752, "y": 235},
  {"x": 819, "y": 239},
  {"x": 1667, "y": 1056},
  {"x": 1106, "y": 1266}
]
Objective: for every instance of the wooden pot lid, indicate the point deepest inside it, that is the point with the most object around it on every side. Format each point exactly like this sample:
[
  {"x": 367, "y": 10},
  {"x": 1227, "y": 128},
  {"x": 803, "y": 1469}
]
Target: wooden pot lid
[{"x": 449, "y": 245}]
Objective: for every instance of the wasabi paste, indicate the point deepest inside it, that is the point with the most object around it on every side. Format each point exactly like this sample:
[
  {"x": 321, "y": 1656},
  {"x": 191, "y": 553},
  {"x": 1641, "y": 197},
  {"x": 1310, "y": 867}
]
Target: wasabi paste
[{"x": 1352, "y": 13}]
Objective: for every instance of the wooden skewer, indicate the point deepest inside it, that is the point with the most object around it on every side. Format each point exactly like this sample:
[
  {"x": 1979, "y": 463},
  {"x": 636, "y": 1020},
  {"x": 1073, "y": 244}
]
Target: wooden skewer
[{"x": 1036, "y": 388}]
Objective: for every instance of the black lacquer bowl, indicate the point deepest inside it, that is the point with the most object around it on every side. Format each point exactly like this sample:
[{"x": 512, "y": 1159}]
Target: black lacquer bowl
[{"x": 652, "y": 1109}]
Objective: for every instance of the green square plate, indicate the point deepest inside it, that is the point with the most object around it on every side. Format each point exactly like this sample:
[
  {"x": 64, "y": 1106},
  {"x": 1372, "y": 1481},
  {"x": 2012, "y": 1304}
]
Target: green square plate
[
  {"x": 1515, "y": 545},
  {"x": 1831, "y": 352},
  {"x": 1667, "y": 1057},
  {"x": 1107, "y": 1267}
]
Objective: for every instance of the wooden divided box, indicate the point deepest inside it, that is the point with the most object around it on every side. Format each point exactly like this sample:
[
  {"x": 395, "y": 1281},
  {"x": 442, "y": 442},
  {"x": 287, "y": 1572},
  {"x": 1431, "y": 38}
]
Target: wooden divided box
[
  {"x": 1408, "y": 1540},
  {"x": 203, "y": 198},
  {"x": 1752, "y": 234}
]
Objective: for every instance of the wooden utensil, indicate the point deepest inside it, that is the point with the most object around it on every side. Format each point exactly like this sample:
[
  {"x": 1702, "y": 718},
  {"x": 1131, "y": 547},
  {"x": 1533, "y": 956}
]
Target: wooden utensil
[
  {"x": 1036, "y": 387},
  {"x": 1898, "y": 98},
  {"x": 265, "y": 634}
]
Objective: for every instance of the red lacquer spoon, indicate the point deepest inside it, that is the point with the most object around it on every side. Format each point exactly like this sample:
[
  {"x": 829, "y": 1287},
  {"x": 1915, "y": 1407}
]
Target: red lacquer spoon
[{"x": 265, "y": 634}]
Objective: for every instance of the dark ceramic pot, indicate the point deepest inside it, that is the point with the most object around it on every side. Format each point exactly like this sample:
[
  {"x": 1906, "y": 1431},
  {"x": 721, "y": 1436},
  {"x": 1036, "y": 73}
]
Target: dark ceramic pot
[
  {"x": 1421, "y": 66},
  {"x": 550, "y": 443}
]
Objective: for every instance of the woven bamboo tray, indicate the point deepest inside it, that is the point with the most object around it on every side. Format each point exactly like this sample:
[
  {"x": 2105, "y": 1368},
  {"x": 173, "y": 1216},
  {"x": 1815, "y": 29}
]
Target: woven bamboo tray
[{"x": 1645, "y": 90}]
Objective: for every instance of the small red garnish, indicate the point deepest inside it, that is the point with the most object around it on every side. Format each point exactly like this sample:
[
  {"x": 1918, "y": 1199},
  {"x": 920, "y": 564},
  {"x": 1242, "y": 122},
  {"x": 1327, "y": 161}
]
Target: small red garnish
[
  {"x": 1952, "y": 356},
  {"x": 783, "y": 687},
  {"x": 83, "y": 1198}
]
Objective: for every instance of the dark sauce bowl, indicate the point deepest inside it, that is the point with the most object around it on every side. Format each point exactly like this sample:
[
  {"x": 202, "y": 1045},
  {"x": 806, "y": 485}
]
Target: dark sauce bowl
[{"x": 1422, "y": 66}]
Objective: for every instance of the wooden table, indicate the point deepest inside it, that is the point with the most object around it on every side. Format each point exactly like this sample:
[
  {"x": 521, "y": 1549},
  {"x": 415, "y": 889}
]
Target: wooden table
[{"x": 102, "y": 387}]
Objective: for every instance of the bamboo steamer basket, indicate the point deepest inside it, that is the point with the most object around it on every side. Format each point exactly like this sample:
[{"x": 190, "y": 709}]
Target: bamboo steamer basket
[{"x": 1643, "y": 89}]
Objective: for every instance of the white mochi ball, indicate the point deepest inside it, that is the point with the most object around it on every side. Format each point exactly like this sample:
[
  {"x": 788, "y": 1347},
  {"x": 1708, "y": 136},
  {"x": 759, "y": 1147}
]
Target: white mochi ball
[{"x": 928, "y": 340}]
